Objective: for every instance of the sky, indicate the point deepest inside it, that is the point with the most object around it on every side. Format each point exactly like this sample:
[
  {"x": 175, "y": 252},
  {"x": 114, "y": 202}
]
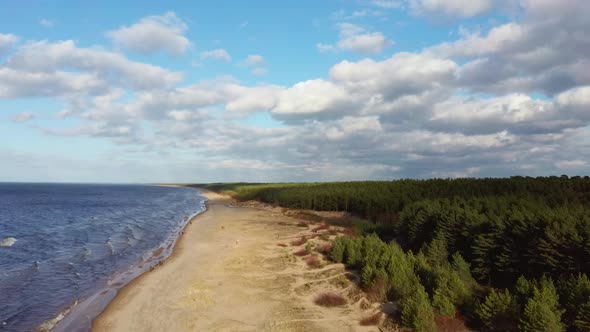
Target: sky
[{"x": 268, "y": 91}]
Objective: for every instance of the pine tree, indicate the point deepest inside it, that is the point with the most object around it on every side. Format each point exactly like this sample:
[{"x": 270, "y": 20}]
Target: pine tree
[
  {"x": 582, "y": 321},
  {"x": 337, "y": 251},
  {"x": 417, "y": 312},
  {"x": 542, "y": 312},
  {"x": 498, "y": 311},
  {"x": 443, "y": 304}
]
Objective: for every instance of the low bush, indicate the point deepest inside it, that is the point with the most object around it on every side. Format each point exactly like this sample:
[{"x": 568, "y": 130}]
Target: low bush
[
  {"x": 330, "y": 300},
  {"x": 299, "y": 241},
  {"x": 301, "y": 253},
  {"x": 373, "y": 319},
  {"x": 313, "y": 262}
]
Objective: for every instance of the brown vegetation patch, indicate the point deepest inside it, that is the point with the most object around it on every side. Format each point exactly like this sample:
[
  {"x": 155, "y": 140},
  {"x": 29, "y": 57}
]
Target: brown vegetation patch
[
  {"x": 330, "y": 300},
  {"x": 313, "y": 262},
  {"x": 301, "y": 253},
  {"x": 373, "y": 319},
  {"x": 282, "y": 244},
  {"x": 324, "y": 249},
  {"x": 449, "y": 324},
  {"x": 302, "y": 224},
  {"x": 299, "y": 241}
]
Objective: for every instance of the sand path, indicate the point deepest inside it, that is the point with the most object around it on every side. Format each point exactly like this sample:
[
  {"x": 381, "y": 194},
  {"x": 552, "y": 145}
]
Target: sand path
[{"x": 228, "y": 274}]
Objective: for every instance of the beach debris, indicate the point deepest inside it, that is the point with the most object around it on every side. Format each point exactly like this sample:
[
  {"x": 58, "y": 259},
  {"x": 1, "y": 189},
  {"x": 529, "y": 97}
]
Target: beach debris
[{"x": 7, "y": 242}]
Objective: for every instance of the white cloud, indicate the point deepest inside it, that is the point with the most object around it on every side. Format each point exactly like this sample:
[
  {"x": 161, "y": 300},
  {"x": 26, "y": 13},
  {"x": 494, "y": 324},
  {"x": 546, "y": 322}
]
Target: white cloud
[
  {"x": 45, "y": 69},
  {"x": 219, "y": 54},
  {"x": 153, "y": 34},
  {"x": 257, "y": 63},
  {"x": 22, "y": 117},
  {"x": 46, "y": 23},
  {"x": 315, "y": 96},
  {"x": 7, "y": 41},
  {"x": 357, "y": 39},
  {"x": 254, "y": 60},
  {"x": 325, "y": 48},
  {"x": 456, "y": 8}
]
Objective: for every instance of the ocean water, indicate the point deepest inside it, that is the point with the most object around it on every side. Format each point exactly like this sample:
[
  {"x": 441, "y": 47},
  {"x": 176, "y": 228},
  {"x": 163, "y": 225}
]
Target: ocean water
[{"x": 79, "y": 242}]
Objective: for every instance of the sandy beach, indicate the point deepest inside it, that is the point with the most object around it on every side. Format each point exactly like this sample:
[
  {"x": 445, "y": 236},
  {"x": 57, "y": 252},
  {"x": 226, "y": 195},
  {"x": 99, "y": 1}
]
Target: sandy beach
[{"x": 229, "y": 273}]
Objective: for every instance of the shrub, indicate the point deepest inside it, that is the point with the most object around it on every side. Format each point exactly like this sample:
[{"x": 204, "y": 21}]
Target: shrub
[
  {"x": 299, "y": 241},
  {"x": 281, "y": 244},
  {"x": 330, "y": 300},
  {"x": 313, "y": 262},
  {"x": 373, "y": 319},
  {"x": 302, "y": 224},
  {"x": 324, "y": 249},
  {"x": 301, "y": 252}
]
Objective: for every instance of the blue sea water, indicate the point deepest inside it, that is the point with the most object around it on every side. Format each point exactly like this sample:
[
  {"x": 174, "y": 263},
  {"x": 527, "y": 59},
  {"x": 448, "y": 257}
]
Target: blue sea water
[{"x": 73, "y": 241}]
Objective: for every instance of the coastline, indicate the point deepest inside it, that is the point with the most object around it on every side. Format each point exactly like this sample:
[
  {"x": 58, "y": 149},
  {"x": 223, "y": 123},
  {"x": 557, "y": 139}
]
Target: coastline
[
  {"x": 228, "y": 273},
  {"x": 79, "y": 315}
]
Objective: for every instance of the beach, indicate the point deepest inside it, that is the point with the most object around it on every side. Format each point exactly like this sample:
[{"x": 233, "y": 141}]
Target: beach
[{"x": 234, "y": 270}]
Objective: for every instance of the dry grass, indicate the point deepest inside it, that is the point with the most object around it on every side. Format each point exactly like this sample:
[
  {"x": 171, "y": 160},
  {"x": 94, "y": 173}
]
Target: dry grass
[
  {"x": 302, "y": 224},
  {"x": 330, "y": 300},
  {"x": 282, "y": 244},
  {"x": 299, "y": 241},
  {"x": 313, "y": 262},
  {"x": 302, "y": 252},
  {"x": 373, "y": 319}
]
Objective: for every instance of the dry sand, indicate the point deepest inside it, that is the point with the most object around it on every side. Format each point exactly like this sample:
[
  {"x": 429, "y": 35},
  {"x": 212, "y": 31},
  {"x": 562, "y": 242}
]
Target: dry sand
[{"x": 227, "y": 273}]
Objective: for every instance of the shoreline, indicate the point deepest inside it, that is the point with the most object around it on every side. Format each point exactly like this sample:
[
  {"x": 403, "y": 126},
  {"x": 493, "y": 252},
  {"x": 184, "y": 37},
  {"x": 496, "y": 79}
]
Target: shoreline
[
  {"x": 233, "y": 270},
  {"x": 81, "y": 313}
]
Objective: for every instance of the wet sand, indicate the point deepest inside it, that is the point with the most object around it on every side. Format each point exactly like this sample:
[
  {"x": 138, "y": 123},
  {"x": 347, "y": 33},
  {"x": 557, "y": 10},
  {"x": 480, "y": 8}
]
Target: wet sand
[{"x": 228, "y": 273}]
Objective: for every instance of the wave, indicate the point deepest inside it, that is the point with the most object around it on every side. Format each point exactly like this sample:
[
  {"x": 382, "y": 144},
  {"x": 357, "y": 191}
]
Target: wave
[{"x": 79, "y": 316}]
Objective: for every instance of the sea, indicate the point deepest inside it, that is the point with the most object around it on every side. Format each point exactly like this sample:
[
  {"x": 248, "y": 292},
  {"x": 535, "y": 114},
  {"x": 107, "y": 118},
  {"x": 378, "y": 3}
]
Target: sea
[{"x": 65, "y": 249}]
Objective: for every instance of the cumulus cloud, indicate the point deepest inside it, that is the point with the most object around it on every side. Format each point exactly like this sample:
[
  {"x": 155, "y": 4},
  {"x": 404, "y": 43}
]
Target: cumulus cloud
[
  {"x": 217, "y": 54},
  {"x": 357, "y": 39},
  {"x": 45, "y": 69},
  {"x": 544, "y": 52},
  {"x": 7, "y": 41},
  {"x": 455, "y": 8},
  {"x": 254, "y": 60},
  {"x": 257, "y": 63},
  {"x": 153, "y": 34},
  {"x": 461, "y": 108}
]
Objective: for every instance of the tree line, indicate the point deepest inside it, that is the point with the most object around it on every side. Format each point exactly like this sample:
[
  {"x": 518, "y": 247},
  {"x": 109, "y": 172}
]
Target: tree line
[{"x": 496, "y": 250}]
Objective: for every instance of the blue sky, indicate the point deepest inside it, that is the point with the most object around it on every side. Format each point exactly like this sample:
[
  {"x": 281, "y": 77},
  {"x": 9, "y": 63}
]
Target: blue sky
[{"x": 292, "y": 90}]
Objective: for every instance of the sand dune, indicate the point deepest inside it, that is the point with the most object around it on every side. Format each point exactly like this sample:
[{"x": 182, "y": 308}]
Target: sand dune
[{"x": 228, "y": 274}]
